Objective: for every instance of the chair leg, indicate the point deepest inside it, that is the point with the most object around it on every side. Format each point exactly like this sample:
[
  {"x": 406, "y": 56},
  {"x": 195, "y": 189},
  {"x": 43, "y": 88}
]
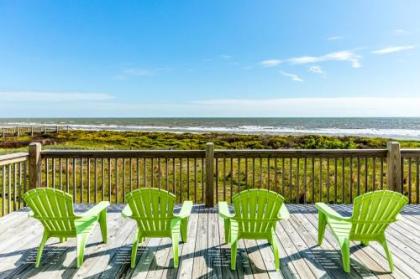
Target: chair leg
[
  {"x": 80, "y": 251},
  {"x": 275, "y": 246},
  {"x": 175, "y": 243},
  {"x": 134, "y": 249},
  {"x": 102, "y": 224},
  {"x": 41, "y": 248},
  {"x": 345, "y": 254},
  {"x": 322, "y": 223},
  {"x": 227, "y": 230},
  {"x": 233, "y": 252},
  {"x": 388, "y": 254},
  {"x": 184, "y": 229}
]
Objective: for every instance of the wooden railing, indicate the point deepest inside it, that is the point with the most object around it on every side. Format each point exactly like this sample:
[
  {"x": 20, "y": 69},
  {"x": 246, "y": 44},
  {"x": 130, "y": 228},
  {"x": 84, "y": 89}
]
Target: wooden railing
[
  {"x": 410, "y": 174},
  {"x": 301, "y": 176},
  {"x": 13, "y": 181},
  {"x": 31, "y": 130},
  {"x": 211, "y": 175}
]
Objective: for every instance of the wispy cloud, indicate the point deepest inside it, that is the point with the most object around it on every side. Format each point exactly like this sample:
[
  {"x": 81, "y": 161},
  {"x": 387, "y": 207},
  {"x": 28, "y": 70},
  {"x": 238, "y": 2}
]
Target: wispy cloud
[
  {"x": 270, "y": 63},
  {"x": 293, "y": 77},
  {"x": 400, "y": 31},
  {"x": 392, "y": 49},
  {"x": 345, "y": 55},
  {"x": 225, "y": 56},
  {"x": 139, "y": 72},
  {"x": 316, "y": 70},
  {"x": 335, "y": 38},
  {"x": 52, "y": 97}
]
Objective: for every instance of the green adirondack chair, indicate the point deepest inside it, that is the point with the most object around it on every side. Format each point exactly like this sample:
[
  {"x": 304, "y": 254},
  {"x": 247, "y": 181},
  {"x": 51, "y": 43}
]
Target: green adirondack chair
[
  {"x": 256, "y": 214},
  {"x": 54, "y": 209},
  {"x": 372, "y": 213},
  {"x": 153, "y": 210}
]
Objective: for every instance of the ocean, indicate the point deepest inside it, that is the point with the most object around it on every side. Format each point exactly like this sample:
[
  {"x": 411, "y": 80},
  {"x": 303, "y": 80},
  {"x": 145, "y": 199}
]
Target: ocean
[{"x": 395, "y": 127}]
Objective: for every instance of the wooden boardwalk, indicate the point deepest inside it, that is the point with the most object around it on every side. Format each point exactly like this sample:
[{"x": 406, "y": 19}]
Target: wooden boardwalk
[{"x": 205, "y": 255}]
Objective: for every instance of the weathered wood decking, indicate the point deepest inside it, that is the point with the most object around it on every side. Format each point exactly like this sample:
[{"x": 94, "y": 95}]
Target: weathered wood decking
[{"x": 205, "y": 255}]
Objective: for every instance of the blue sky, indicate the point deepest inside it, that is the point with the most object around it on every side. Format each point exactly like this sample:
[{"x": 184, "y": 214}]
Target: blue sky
[{"x": 209, "y": 58}]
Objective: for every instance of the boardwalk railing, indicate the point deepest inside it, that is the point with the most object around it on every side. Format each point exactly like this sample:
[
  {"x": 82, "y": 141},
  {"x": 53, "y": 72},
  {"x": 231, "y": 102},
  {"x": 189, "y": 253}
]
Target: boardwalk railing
[
  {"x": 13, "y": 181},
  {"x": 31, "y": 130},
  {"x": 211, "y": 175}
]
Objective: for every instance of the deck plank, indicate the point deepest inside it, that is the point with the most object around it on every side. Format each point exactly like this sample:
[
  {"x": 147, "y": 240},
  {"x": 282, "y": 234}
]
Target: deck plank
[{"x": 205, "y": 254}]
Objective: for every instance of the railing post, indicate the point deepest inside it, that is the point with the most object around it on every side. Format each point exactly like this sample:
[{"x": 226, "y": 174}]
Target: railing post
[
  {"x": 394, "y": 166},
  {"x": 209, "y": 174},
  {"x": 34, "y": 164}
]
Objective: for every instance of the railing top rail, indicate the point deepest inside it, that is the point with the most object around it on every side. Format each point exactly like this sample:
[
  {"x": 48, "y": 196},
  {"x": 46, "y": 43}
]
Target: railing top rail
[
  {"x": 335, "y": 153},
  {"x": 410, "y": 152},
  {"x": 13, "y": 158},
  {"x": 123, "y": 153}
]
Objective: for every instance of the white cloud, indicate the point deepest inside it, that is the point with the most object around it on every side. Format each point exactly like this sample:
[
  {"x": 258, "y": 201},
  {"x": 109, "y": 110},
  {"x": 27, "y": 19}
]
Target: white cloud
[
  {"x": 226, "y": 56},
  {"x": 392, "y": 49},
  {"x": 345, "y": 55},
  {"x": 316, "y": 70},
  {"x": 294, "y": 77},
  {"x": 400, "y": 31},
  {"x": 335, "y": 38},
  {"x": 270, "y": 63},
  {"x": 51, "y": 97}
]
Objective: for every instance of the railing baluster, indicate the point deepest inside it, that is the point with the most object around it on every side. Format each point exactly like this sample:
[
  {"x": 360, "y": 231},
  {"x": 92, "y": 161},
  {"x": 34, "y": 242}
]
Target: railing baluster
[
  {"x": 109, "y": 180},
  {"x": 224, "y": 178},
  {"x": 253, "y": 172},
  {"x": 297, "y": 179},
  {"x": 195, "y": 180},
  {"x": 74, "y": 179},
  {"x": 343, "y": 183},
  {"x": 358, "y": 175},
  {"x": 9, "y": 190},
  {"x": 374, "y": 174},
  {"x": 366, "y": 174},
  {"x": 409, "y": 180},
  {"x": 46, "y": 173},
  {"x": 313, "y": 179},
  {"x": 116, "y": 180},
  {"x": 351, "y": 180},
  {"x": 276, "y": 176},
  {"x": 239, "y": 176},
  {"x": 328, "y": 180},
  {"x": 188, "y": 180},
  {"x": 3, "y": 195},
  {"x": 81, "y": 179},
  {"x": 216, "y": 170},
  {"x": 123, "y": 179},
  {"x": 166, "y": 175},
  {"x": 305, "y": 163},
  {"x": 53, "y": 172},
  {"x": 95, "y": 175},
  {"x": 382, "y": 173},
  {"x": 88, "y": 179},
  {"x": 290, "y": 196},
  {"x": 335, "y": 179}
]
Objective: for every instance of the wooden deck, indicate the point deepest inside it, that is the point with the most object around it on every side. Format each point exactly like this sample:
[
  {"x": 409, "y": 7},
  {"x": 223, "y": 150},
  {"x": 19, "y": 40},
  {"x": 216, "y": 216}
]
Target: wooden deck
[{"x": 205, "y": 255}]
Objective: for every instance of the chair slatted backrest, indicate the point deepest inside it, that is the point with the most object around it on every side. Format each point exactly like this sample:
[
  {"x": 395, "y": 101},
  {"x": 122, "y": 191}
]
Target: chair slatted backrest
[
  {"x": 256, "y": 211},
  {"x": 374, "y": 211},
  {"x": 54, "y": 208},
  {"x": 152, "y": 208}
]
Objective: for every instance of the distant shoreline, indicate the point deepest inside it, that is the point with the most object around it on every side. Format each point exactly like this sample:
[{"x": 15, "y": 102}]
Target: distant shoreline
[{"x": 394, "y": 127}]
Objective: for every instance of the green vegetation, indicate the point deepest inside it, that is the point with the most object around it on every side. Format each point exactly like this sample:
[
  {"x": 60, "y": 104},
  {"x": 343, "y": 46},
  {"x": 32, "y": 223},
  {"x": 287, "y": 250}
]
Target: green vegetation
[{"x": 160, "y": 140}]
